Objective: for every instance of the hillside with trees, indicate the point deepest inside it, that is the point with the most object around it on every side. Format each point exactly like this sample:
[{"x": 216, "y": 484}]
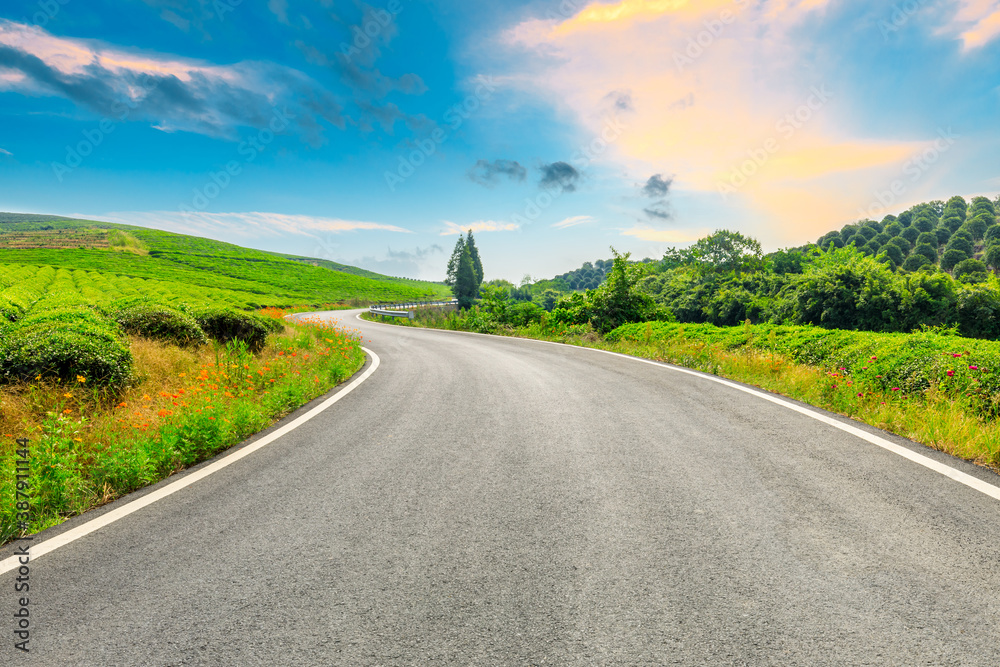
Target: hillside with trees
[
  {"x": 934, "y": 265},
  {"x": 956, "y": 236}
]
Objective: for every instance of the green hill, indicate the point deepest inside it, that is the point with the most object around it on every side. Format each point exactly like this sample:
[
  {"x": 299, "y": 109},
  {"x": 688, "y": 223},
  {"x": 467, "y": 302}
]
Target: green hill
[
  {"x": 955, "y": 236},
  {"x": 180, "y": 267}
]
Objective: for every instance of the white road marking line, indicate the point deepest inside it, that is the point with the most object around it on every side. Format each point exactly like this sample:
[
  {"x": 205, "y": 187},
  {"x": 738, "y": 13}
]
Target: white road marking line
[
  {"x": 42, "y": 548},
  {"x": 938, "y": 467}
]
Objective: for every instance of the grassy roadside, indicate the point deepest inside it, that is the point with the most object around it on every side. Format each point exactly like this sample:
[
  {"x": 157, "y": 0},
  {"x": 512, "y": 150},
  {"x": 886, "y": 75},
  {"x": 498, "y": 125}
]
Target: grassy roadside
[
  {"x": 936, "y": 389},
  {"x": 89, "y": 446}
]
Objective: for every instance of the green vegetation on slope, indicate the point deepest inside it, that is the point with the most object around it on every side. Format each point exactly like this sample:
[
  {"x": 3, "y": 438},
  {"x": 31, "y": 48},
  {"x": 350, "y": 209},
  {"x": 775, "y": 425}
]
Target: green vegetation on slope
[
  {"x": 88, "y": 446},
  {"x": 254, "y": 278}
]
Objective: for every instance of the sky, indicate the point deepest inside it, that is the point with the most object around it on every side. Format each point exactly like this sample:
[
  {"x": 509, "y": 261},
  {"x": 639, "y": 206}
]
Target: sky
[{"x": 374, "y": 134}]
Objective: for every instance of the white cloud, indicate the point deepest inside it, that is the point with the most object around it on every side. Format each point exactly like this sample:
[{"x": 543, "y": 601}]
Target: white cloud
[
  {"x": 173, "y": 91},
  {"x": 452, "y": 228},
  {"x": 574, "y": 221},
  {"x": 254, "y": 225},
  {"x": 4, "y": 151}
]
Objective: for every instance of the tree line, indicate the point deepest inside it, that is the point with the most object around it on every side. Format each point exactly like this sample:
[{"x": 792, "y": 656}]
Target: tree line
[{"x": 933, "y": 265}]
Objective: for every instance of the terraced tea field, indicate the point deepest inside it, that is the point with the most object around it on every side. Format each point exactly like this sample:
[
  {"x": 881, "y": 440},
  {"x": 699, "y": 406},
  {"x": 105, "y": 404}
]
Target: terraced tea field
[{"x": 179, "y": 267}]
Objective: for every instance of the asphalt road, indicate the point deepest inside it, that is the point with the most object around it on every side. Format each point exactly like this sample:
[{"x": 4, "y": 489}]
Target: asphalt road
[{"x": 488, "y": 501}]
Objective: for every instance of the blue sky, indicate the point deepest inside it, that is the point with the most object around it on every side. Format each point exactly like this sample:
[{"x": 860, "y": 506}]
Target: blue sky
[{"x": 552, "y": 129}]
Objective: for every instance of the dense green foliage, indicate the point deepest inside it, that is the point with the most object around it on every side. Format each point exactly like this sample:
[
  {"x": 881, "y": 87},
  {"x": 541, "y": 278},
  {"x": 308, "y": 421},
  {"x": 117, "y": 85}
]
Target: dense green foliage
[
  {"x": 65, "y": 343},
  {"x": 615, "y": 302},
  {"x": 912, "y": 363},
  {"x": 227, "y": 324},
  {"x": 498, "y": 311},
  {"x": 588, "y": 276},
  {"x": 932, "y": 265},
  {"x": 158, "y": 321},
  {"x": 465, "y": 271}
]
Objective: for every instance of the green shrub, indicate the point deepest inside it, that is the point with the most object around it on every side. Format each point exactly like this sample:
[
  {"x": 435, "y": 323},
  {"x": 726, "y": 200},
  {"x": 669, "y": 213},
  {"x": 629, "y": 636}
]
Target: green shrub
[
  {"x": 915, "y": 261},
  {"x": 526, "y": 313},
  {"x": 226, "y": 324},
  {"x": 867, "y": 233},
  {"x": 952, "y": 222},
  {"x": 979, "y": 311},
  {"x": 161, "y": 322},
  {"x": 832, "y": 237},
  {"x": 125, "y": 303},
  {"x": 978, "y": 225},
  {"x": 871, "y": 248},
  {"x": 968, "y": 370},
  {"x": 952, "y": 257},
  {"x": 992, "y": 234},
  {"x": 961, "y": 241},
  {"x": 844, "y": 290},
  {"x": 980, "y": 205},
  {"x": 65, "y": 344},
  {"x": 943, "y": 234},
  {"x": 58, "y": 300},
  {"x": 969, "y": 266},
  {"x": 9, "y": 311},
  {"x": 992, "y": 256},
  {"x": 618, "y": 300},
  {"x": 272, "y": 324},
  {"x": 893, "y": 253},
  {"x": 733, "y": 305},
  {"x": 15, "y": 301},
  {"x": 928, "y": 299},
  {"x": 927, "y": 250},
  {"x": 901, "y": 243}
]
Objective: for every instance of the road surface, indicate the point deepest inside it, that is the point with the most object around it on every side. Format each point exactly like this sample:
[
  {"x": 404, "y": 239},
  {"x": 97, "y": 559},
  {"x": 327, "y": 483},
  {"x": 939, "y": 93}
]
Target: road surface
[{"x": 491, "y": 501}]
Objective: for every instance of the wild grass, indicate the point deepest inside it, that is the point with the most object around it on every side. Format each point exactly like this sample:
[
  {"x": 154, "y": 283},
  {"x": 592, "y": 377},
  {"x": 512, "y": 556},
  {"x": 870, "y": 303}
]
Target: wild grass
[
  {"x": 89, "y": 446},
  {"x": 126, "y": 242}
]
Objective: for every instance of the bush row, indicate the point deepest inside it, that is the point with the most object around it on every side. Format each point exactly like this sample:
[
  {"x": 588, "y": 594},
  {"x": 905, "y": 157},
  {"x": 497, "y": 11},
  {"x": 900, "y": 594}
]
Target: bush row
[
  {"x": 965, "y": 369},
  {"x": 838, "y": 289},
  {"x": 65, "y": 338},
  {"x": 15, "y": 301},
  {"x": 69, "y": 343}
]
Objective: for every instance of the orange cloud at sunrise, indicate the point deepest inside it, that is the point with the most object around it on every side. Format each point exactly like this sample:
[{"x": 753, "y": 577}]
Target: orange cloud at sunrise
[
  {"x": 978, "y": 22},
  {"x": 715, "y": 97}
]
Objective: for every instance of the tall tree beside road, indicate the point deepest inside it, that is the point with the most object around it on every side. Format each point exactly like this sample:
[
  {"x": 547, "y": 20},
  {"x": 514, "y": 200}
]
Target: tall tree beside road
[
  {"x": 455, "y": 261},
  {"x": 466, "y": 287},
  {"x": 477, "y": 263}
]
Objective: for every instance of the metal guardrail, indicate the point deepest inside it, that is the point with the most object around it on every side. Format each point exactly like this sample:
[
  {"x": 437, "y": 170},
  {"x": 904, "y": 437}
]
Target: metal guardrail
[
  {"x": 405, "y": 309},
  {"x": 392, "y": 313}
]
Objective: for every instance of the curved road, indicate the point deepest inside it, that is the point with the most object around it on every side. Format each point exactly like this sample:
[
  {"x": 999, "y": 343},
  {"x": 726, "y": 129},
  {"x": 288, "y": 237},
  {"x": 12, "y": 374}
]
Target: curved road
[{"x": 491, "y": 501}]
